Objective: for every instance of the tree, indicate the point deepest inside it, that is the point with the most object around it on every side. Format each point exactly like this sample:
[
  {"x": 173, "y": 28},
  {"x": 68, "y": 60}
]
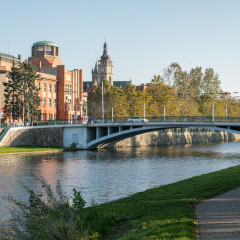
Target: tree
[
  {"x": 114, "y": 98},
  {"x": 21, "y": 94},
  {"x": 11, "y": 93},
  {"x": 210, "y": 85},
  {"x": 29, "y": 91},
  {"x": 186, "y": 87},
  {"x": 161, "y": 95}
]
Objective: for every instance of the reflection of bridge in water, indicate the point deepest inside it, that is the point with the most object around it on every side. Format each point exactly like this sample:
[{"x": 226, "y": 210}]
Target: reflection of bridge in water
[{"x": 98, "y": 133}]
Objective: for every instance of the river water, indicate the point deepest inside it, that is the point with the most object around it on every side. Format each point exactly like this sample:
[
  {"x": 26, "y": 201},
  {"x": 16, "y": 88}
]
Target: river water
[{"x": 106, "y": 175}]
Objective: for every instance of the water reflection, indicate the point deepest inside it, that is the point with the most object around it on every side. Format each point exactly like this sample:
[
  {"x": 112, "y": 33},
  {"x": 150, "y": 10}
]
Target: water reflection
[{"x": 107, "y": 175}]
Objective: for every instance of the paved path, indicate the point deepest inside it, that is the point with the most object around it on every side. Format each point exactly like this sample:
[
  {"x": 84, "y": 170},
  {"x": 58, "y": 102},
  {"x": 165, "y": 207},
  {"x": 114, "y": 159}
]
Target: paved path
[{"x": 219, "y": 217}]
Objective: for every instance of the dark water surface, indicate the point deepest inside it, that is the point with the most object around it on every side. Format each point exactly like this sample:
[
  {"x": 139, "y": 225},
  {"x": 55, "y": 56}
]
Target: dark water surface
[{"x": 106, "y": 175}]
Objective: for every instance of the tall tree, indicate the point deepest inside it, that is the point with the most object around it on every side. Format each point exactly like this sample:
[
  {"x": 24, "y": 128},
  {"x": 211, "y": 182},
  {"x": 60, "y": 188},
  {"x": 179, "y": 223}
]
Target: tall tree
[
  {"x": 22, "y": 98},
  {"x": 12, "y": 87},
  {"x": 161, "y": 95},
  {"x": 210, "y": 85},
  {"x": 114, "y": 98},
  {"x": 29, "y": 91}
]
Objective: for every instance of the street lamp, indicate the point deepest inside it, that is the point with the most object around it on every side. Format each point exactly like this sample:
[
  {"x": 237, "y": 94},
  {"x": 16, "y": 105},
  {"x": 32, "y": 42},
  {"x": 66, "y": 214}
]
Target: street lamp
[
  {"x": 164, "y": 113},
  {"x": 213, "y": 111},
  {"x": 102, "y": 103}
]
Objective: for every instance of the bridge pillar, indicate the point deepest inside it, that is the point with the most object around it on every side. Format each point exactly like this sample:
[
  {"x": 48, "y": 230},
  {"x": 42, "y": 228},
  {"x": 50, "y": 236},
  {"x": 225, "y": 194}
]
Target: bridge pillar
[{"x": 75, "y": 137}]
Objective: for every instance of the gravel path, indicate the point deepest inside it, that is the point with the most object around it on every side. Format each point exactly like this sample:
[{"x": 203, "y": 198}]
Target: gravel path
[{"x": 219, "y": 217}]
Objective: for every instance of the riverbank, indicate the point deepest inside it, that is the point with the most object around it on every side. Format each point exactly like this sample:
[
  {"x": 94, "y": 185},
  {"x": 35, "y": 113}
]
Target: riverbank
[
  {"x": 166, "y": 212},
  {"x": 28, "y": 149}
]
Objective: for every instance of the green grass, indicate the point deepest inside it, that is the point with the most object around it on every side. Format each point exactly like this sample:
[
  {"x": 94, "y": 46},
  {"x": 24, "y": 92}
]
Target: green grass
[
  {"x": 166, "y": 212},
  {"x": 20, "y": 149}
]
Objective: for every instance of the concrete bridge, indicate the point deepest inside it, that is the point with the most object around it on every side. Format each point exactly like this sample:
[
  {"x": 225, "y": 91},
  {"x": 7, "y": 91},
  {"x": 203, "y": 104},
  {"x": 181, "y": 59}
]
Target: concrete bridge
[{"x": 96, "y": 135}]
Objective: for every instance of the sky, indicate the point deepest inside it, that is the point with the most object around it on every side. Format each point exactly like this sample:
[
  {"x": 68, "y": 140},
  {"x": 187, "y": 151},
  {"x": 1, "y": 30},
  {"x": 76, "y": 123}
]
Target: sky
[{"x": 144, "y": 36}]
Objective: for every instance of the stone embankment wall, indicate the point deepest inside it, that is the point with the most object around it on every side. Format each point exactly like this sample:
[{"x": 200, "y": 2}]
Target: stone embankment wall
[
  {"x": 39, "y": 136},
  {"x": 159, "y": 138}
]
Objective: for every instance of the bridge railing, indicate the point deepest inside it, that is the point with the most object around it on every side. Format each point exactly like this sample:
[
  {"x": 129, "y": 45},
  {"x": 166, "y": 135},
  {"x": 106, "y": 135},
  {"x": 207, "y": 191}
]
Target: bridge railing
[{"x": 92, "y": 120}]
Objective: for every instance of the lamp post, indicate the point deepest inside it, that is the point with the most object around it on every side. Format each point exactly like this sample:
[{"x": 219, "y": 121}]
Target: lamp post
[
  {"x": 164, "y": 113},
  {"x": 213, "y": 111},
  {"x": 226, "y": 112},
  {"x": 102, "y": 103},
  {"x": 144, "y": 111},
  {"x": 112, "y": 114}
]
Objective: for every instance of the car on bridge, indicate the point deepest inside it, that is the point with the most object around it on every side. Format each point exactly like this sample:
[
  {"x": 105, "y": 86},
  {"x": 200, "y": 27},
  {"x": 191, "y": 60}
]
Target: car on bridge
[{"x": 137, "y": 119}]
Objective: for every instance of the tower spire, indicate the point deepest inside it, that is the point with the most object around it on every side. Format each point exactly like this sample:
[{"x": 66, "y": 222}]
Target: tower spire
[{"x": 105, "y": 53}]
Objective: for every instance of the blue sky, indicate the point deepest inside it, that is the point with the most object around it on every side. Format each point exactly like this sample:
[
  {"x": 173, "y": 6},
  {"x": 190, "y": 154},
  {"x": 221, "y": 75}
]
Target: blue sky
[{"x": 143, "y": 36}]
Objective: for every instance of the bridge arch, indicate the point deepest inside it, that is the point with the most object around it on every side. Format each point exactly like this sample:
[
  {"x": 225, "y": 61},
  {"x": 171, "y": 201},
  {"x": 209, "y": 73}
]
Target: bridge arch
[
  {"x": 97, "y": 135},
  {"x": 124, "y": 134}
]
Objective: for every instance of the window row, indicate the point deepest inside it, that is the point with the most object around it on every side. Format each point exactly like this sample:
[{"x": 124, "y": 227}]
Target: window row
[
  {"x": 49, "y": 102},
  {"x": 50, "y": 116},
  {"x": 68, "y": 89},
  {"x": 49, "y": 87}
]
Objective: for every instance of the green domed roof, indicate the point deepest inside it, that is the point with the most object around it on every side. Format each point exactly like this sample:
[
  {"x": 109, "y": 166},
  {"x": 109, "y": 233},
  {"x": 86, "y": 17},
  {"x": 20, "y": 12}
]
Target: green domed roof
[{"x": 45, "y": 43}]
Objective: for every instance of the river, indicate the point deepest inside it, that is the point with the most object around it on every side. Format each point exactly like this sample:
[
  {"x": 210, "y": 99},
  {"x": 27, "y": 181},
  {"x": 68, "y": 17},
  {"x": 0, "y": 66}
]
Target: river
[{"x": 106, "y": 175}]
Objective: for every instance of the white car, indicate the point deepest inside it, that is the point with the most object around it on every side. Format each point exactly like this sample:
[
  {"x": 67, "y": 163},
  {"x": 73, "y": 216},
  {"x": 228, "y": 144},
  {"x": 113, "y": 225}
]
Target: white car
[{"x": 137, "y": 119}]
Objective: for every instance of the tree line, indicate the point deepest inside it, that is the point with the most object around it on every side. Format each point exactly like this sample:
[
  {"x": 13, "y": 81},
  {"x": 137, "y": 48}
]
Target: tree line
[{"x": 180, "y": 92}]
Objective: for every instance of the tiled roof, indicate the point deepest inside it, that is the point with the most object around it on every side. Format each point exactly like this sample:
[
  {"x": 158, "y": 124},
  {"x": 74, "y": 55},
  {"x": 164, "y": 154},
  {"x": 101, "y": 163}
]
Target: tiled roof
[{"x": 7, "y": 55}]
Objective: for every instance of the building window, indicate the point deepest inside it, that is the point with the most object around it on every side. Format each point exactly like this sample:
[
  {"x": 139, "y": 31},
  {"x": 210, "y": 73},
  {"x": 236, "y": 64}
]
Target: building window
[
  {"x": 55, "y": 88},
  {"x": 49, "y": 102},
  {"x": 49, "y": 50},
  {"x": 38, "y": 85},
  {"x": 69, "y": 104},
  {"x": 44, "y": 102},
  {"x": 55, "y": 102},
  {"x": 44, "y": 116},
  {"x": 40, "y": 48},
  {"x": 49, "y": 88},
  {"x": 68, "y": 89},
  {"x": 44, "y": 87}
]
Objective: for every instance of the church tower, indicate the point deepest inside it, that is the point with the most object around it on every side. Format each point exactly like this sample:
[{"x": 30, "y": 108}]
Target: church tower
[{"x": 103, "y": 68}]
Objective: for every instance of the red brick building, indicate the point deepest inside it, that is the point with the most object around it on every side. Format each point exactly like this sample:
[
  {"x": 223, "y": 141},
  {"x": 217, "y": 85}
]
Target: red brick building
[{"x": 60, "y": 90}]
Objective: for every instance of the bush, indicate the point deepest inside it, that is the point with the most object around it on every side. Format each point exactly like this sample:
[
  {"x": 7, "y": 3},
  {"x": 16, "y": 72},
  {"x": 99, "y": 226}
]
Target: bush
[{"x": 49, "y": 215}]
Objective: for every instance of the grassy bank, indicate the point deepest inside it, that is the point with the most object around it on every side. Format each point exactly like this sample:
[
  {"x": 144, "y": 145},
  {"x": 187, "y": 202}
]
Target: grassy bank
[
  {"x": 166, "y": 212},
  {"x": 21, "y": 149}
]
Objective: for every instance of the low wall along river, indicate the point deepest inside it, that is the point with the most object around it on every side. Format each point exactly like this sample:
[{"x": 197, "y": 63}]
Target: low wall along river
[{"x": 176, "y": 137}]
